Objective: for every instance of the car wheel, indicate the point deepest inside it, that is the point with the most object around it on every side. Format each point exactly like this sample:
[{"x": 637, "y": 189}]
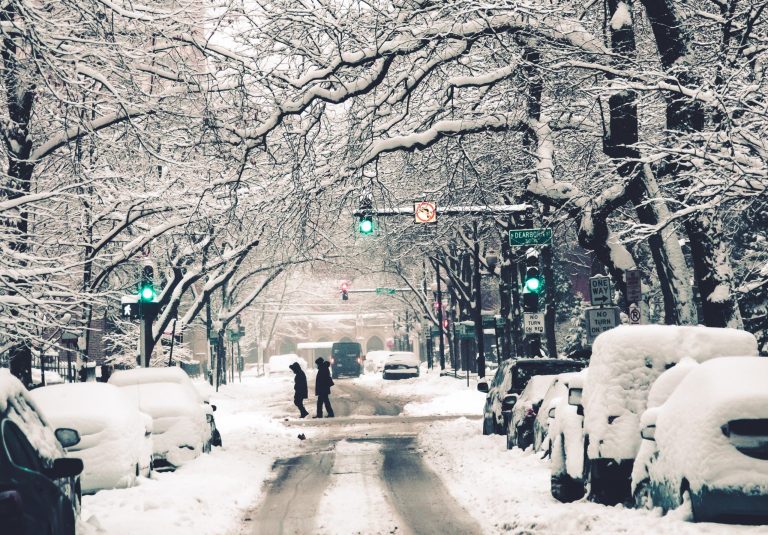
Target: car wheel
[
  {"x": 524, "y": 438},
  {"x": 511, "y": 438},
  {"x": 487, "y": 425},
  {"x": 642, "y": 495}
]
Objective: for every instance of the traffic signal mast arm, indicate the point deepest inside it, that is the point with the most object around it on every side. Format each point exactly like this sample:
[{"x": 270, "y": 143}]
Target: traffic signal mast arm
[{"x": 494, "y": 209}]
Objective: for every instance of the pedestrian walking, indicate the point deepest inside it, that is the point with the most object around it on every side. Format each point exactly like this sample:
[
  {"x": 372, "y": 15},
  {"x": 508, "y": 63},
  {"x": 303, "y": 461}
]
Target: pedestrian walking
[
  {"x": 300, "y": 389},
  {"x": 323, "y": 384}
]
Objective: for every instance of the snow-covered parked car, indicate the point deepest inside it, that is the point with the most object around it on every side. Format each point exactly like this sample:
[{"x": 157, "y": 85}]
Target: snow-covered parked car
[
  {"x": 281, "y": 363},
  {"x": 401, "y": 364},
  {"x": 624, "y": 364},
  {"x": 181, "y": 423},
  {"x": 557, "y": 391},
  {"x": 115, "y": 438},
  {"x": 711, "y": 439},
  {"x": 375, "y": 360},
  {"x": 172, "y": 374},
  {"x": 39, "y": 484},
  {"x": 524, "y": 411},
  {"x": 566, "y": 439}
]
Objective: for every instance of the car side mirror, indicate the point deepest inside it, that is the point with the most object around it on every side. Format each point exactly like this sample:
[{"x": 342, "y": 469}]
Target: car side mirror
[
  {"x": 551, "y": 412},
  {"x": 648, "y": 432},
  {"x": 67, "y": 437},
  {"x": 574, "y": 396},
  {"x": 482, "y": 387},
  {"x": 65, "y": 467},
  {"x": 213, "y": 408},
  {"x": 508, "y": 402}
]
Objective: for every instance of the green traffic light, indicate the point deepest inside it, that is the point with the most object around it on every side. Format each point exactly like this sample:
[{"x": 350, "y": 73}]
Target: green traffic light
[
  {"x": 365, "y": 226},
  {"x": 147, "y": 293},
  {"x": 533, "y": 284}
]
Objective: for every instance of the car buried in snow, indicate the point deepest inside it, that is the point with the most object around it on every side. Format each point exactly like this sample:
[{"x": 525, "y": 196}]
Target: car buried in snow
[
  {"x": 523, "y": 412},
  {"x": 115, "y": 438},
  {"x": 624, "y": 364},
  {"x": 566, "y": 441},
  {"x": 401, "y": 364},
  {"x": 546, "y": 413},
  {"x": 711, "y": 442}
]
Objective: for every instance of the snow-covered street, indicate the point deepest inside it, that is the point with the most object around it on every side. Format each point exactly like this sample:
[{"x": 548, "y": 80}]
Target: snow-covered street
[{"x": 362, "y": 472}]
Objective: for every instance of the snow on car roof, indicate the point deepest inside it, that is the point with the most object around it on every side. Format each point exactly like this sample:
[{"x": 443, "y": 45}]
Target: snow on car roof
[
  {"x": 170, "y": 374},
  {"x": 537, "y": 387},
  {"x": 88, "y": 407},
  {"x": 10, "y": 387}
]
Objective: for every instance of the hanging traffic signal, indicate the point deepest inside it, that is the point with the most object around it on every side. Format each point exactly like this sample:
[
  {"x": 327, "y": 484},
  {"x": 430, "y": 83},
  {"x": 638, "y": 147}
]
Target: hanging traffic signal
[
  {"x": 344, "y": 291},
  {"x": 365, "y": 225},
  {"x": 533, "y": 281},
  {"x": 146, "y": 286}
]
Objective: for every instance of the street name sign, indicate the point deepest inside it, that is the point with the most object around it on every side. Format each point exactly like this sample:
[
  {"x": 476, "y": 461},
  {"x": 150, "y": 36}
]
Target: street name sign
[
  {"x": 385, "y": 291},
  {"x": 600, "y": 290},
  {"x": 533, "y": 322},
  {"x": 425, "y": 212},
  {"x": 466, "y": 330},
  {"x": 600, "y": 320},
  {"x": 530, "y": 236},
  {"x": 634, "y": 314},
  {"x": 634, "y": 286}
]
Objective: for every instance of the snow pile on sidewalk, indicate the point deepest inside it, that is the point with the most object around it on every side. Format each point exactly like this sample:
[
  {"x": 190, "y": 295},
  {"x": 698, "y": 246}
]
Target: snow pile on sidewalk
[{"x": 431, "y": 394}]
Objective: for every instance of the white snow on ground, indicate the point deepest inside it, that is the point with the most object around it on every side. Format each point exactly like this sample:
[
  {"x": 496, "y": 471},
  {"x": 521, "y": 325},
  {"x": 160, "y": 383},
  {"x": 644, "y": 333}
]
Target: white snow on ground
[
  {"x": 508, "y": 491},
  {"x": 356, "y": 502}
]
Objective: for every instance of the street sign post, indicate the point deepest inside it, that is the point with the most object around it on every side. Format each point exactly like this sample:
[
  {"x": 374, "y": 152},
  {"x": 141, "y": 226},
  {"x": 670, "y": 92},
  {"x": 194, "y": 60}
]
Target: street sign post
[
  {"x": 489, "y": 322},
  {"x": 600, "y": 320},
  {"x": 600, "y": 290},
  {"x": 466, "y": 330},
  {"x": 634, "y": 314},
  {"x": 530, "y": 236},
  {"x": 634, "y": 286},
  {"x": 533, "y": 322}
]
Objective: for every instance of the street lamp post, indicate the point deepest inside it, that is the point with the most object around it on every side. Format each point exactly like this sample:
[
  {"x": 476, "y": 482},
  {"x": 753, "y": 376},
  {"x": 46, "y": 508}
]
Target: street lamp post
[{"x": 439, "y": 300}]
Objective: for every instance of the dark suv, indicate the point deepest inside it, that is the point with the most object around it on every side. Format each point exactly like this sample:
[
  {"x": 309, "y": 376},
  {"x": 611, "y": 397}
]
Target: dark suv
[
  {"x": 39, "y": 486},
  {"x": 511, "y": 378}
]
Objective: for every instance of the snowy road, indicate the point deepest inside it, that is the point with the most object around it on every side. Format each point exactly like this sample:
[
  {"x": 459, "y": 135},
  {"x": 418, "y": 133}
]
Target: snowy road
[{"x": 364, "y": 475}]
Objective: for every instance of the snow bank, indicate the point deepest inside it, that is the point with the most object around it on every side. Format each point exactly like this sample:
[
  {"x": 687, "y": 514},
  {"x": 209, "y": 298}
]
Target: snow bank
[
  {"x": 624, "y": 364},
  {"x": 461, "y": 402},
  {"x": 689, "y": 437},
  {"x": 111, "y": 429},
  {"x": 281, "y": 363}
]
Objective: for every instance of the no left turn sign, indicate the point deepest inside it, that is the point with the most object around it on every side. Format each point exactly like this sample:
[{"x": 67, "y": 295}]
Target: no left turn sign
[{"x": 425, "y": 212}]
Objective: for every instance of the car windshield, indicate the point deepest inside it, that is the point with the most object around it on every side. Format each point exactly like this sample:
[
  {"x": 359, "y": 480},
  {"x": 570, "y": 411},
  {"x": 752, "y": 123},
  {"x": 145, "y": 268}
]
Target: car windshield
[{"x": 525, "y": 370}]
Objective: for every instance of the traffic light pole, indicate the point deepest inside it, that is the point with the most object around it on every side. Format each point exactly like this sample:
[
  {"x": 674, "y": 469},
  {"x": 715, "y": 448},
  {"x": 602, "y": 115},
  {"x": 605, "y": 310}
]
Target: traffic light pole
[
  {"x": 440, "y": 315},
  {"x": 147, "y": 342}
]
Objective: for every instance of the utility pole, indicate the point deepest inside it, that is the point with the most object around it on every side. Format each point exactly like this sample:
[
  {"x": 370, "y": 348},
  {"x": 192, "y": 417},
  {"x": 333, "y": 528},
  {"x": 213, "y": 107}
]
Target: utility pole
[
  {"x": 440, "y": 314},
  {"x": 427, "y": 330},
  {"x": 478, "y": 312}
]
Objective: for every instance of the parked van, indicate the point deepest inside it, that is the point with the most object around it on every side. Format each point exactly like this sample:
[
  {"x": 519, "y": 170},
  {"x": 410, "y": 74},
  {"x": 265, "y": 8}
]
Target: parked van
[{"x": 346, "y": 359}]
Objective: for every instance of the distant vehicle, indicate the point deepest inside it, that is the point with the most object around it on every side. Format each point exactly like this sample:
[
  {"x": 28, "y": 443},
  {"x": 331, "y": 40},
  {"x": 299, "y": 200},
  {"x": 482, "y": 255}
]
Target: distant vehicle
[
  {"x": 711, "y": 439},
  {"x": 624, "y": 364},
  {"x": 524, "y": 411},
  {"x": 181, "y": 424},
  {"x": 376, "y": 359},
  {"x": 281, "y": 363},
  {"x": 39, "y": 485},
  {"x": 511, "y": 378},
  {"x": 346, "y": 359},
  {"x": 401, "y": 364},
  {"x": 115, "y": 438},
  {"x": 173, "y": 374}
]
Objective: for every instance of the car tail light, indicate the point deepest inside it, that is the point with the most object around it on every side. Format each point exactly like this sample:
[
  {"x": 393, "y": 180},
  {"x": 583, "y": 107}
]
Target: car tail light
[
  {"x": 333, "y": 360},
  {"x": 750, "y": 437},
  {"x": 359, "y": 361}
]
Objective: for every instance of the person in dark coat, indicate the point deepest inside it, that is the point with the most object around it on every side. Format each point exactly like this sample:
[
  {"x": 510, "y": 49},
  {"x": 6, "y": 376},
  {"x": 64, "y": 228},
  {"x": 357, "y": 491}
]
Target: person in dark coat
[
  {"x": 323, "y": 384},
  {"x": 300, "y": 389}
]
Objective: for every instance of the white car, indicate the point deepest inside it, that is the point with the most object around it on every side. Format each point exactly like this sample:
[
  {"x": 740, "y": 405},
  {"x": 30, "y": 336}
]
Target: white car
[
  {"x": 401, "y": 364},
  {"x": 624, "y": 364},
  {"x": 545, "y": 415},
  {"x": 566, "y": 438},
  {"x": 115, "y": 438},
  {"x": 376, "y": 359},
  {"x": 520, "y": 421},
  {"x": 711, "y": 439},
  {"x": 173, "y": 374},
  {"x": 181, "y": 428}
]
